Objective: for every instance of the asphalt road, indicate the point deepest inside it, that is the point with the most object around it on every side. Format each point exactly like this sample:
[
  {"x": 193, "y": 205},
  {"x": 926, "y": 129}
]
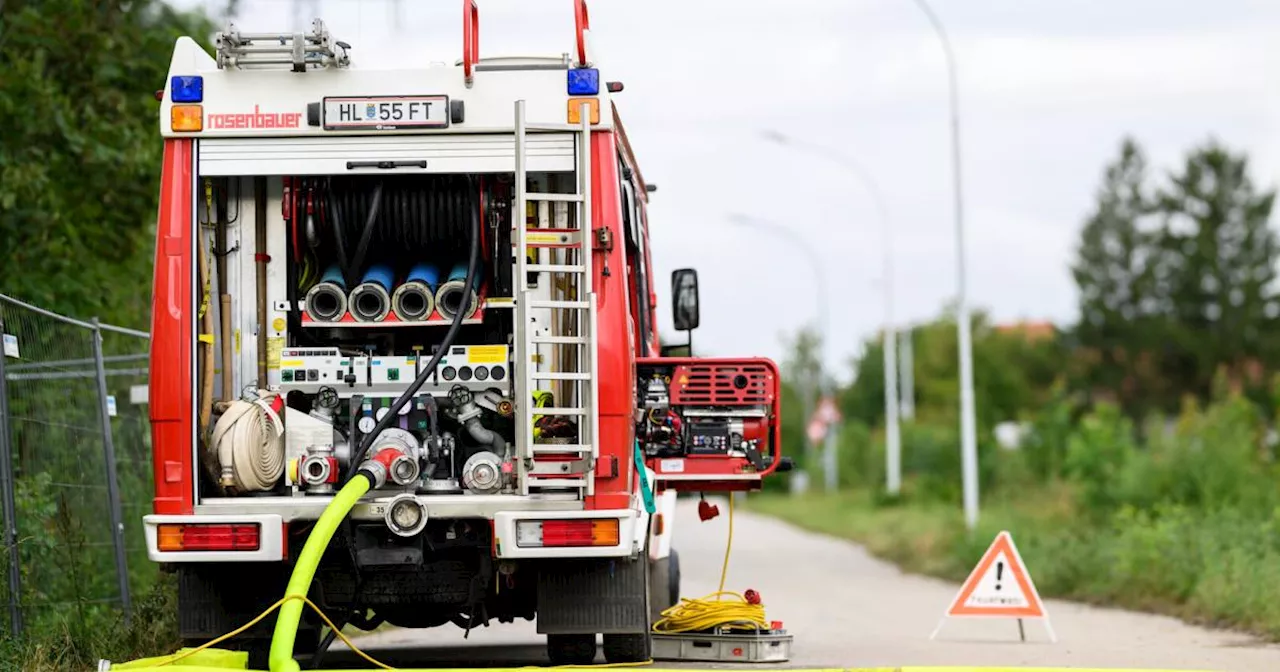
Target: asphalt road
[{"x": 847, "y": 609}]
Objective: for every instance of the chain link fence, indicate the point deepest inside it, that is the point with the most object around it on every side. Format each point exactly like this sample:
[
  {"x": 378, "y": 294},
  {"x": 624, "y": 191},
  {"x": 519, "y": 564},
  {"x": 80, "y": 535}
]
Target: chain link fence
[{"x": 75, "y": 466}]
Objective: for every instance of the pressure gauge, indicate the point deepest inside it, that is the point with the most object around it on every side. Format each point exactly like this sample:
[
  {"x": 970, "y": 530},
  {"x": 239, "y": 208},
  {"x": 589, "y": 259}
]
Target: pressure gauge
[
  {"x": 366, "y": 424},
  {"x": 404, "y": 410},
  {"x": 382, "y": 413}
]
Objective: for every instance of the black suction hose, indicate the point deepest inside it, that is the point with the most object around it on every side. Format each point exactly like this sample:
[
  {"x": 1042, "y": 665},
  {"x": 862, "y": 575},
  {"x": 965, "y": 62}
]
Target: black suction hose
[
  {"x": 340, "y": 246},
  {"x": 393, "y": 413},
  {"x": 357, "y": 261}
]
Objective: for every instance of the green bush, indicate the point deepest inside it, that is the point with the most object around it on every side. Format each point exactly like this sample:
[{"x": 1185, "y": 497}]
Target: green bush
[
  {"x": 1097, "y": 453},
  {"x": 1184, "y": 520}
]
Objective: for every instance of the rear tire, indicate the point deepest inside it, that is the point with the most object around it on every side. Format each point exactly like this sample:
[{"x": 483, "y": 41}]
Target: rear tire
[
  {"x": 571, "y": 649},
  {"x": 628, "y": 648}
]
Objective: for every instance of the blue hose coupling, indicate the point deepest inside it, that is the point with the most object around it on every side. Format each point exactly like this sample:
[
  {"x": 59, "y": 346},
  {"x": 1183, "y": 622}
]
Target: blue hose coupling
[
  {"x": 454, "y": 296},
  {"x": 414, "y": 300},
  {"x": 370, "y": 301},
  {"x": 326, "y": 301}
]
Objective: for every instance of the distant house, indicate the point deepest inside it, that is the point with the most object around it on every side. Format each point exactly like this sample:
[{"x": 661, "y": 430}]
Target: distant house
[{"x": 1031, "y": 331}]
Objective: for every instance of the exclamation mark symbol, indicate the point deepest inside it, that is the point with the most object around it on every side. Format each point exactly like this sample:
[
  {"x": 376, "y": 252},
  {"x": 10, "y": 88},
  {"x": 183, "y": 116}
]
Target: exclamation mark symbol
[{"x": 999, "y": 573}]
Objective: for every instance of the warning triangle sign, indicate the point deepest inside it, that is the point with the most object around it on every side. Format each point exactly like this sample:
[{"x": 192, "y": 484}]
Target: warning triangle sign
[{"x": 999, "y": 586}]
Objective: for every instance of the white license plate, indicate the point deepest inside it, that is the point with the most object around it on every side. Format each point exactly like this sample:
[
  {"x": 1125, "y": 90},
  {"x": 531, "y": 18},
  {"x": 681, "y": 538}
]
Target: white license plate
[{"x": 386, "y": 113}]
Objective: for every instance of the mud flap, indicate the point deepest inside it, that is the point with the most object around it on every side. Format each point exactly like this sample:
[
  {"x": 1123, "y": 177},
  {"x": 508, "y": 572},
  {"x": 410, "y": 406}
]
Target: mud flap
[
  {"x": 606, "y": 595},
  {"x": 660, "y": 586}
]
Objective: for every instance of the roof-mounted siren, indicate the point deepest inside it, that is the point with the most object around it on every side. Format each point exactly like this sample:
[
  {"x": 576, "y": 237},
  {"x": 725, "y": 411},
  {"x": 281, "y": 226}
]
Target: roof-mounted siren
[
  {"x": 471, "y": 37},
  {"x": 299, "y": 51}
]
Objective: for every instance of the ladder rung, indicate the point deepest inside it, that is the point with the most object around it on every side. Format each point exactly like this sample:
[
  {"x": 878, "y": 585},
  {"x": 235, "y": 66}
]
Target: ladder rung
[
  {"x": 536, "y": 481},
  {"x": 553, "y": 128},
  {"x": 559, "y": 375},
  {"x": 560, "y": 467},
  {"x": 559, "y": 340},
  {"x": 552, "y": 410},
  {"x": 545, "y": 303},
  {"x": 556, "y": 198},
  {"x": 555, "y": 268},
  {"x": 553, "y": 238},
  {"x": 561, "y": 448}
]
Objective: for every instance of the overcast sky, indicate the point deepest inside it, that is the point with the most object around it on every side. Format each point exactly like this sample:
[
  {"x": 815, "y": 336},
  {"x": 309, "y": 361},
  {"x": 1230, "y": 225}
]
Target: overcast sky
[{"x": 1047, "y": 90}]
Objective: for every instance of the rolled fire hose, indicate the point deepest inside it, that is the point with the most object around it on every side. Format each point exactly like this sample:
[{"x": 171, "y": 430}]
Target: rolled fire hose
[
  {"x": 370, "y": 301},
  {"x": 414, "y": 300},
  {"x": 327, "y": 299},
  {"x": 249, "y": 438},
  {"x": 454, "y": 295}
]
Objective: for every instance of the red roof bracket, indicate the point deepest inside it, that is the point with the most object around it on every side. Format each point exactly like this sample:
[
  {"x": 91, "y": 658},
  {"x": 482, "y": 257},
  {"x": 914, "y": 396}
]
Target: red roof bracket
[
  {"x": 470, "y": 38},
  {"x": 581, "y": 23}
]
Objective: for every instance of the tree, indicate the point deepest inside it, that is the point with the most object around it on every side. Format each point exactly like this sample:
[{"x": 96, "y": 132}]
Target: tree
[
  {"x": 1222, "y": 256},
  {"x": 1176, "y": 282},
  {"x": 1016, "y": 371},
  {"x": 80, "y": 151},
  {"x": 1118, "y": 270}
]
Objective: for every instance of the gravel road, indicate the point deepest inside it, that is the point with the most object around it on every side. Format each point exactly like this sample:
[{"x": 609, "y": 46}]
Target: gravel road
[{"x": 847, "y": 609}]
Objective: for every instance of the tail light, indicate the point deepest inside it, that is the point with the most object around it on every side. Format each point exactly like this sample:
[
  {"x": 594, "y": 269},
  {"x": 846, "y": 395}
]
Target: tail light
[
  {"x": 211, "y": 537},
  {"x": 560, "y": 533}
]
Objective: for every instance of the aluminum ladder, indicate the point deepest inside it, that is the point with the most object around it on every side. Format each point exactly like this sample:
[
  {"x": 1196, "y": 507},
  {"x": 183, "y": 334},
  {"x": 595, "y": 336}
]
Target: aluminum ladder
[
  {"x": 298, "y": 51},
  {"x": 572, "y": 366}
]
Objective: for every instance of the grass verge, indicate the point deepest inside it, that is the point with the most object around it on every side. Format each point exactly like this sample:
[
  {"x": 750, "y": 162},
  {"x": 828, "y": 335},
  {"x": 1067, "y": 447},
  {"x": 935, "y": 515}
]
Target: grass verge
[
  {"x": 74, "y": 644},
  {"x": 1215, "y": 567}
]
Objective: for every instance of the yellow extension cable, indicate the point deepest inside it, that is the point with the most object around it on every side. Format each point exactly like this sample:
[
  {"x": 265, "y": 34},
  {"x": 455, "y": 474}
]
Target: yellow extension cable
[{"x": 714, "y": 610}]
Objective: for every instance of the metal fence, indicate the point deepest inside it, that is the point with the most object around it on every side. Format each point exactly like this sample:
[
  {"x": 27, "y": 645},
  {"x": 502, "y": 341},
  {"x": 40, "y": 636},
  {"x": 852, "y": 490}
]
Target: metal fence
[{"x": 75, "y": 467}]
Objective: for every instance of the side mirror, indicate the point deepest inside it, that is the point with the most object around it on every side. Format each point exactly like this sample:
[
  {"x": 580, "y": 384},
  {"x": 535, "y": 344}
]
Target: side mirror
[{"x": 684, "y": 293}]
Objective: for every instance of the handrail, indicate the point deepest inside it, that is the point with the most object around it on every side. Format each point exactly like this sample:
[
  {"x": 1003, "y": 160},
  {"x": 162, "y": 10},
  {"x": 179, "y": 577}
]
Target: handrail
[
  {"x": 470, "y": 39},
  {"x": 100, "y": 326},
  {"x": 581, "y": 23},
  {"x": 471, "y": 36}
]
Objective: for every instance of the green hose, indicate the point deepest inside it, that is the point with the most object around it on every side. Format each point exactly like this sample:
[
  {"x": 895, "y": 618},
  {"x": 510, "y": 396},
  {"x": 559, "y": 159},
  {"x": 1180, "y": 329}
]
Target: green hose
[{"x": 281, "y": 658}]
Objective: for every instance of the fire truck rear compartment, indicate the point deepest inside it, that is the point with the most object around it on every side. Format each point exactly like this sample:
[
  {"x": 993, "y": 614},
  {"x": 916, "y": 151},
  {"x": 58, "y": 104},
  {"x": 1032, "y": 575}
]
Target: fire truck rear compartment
[{"x": 359, "y": 280}]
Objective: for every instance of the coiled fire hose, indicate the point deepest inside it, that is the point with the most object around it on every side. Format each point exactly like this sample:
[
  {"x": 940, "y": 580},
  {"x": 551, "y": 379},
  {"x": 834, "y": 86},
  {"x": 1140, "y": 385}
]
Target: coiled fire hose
[{"x": 249, "y": 439}]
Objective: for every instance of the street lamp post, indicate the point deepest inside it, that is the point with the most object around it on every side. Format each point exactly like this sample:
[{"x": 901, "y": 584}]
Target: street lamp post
[
  {"x": 968, "y": 426},
  {"x": 824, "y": 319},
  {"x": 892, "y": 439}
]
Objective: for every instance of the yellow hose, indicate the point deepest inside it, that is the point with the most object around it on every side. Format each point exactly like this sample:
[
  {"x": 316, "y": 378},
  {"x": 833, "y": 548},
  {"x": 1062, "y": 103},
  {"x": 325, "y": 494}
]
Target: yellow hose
[{"x": 281, "y": 656}]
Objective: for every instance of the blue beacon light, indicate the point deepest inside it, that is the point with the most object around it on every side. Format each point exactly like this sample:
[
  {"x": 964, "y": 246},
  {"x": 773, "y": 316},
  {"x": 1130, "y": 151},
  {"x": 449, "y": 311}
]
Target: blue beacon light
[
  {"x": 186, "y": 88},
  {"x": 584, "y": 82}
]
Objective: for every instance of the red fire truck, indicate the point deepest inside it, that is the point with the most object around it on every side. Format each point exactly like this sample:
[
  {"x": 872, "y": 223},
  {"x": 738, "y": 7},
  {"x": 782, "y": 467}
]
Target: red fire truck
[{"x": 441, "y": 276}]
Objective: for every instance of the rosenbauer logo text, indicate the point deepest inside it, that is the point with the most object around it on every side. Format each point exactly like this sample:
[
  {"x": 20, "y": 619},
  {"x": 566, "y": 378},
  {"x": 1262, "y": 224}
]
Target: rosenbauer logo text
[{"x": 256, "y": 119}]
